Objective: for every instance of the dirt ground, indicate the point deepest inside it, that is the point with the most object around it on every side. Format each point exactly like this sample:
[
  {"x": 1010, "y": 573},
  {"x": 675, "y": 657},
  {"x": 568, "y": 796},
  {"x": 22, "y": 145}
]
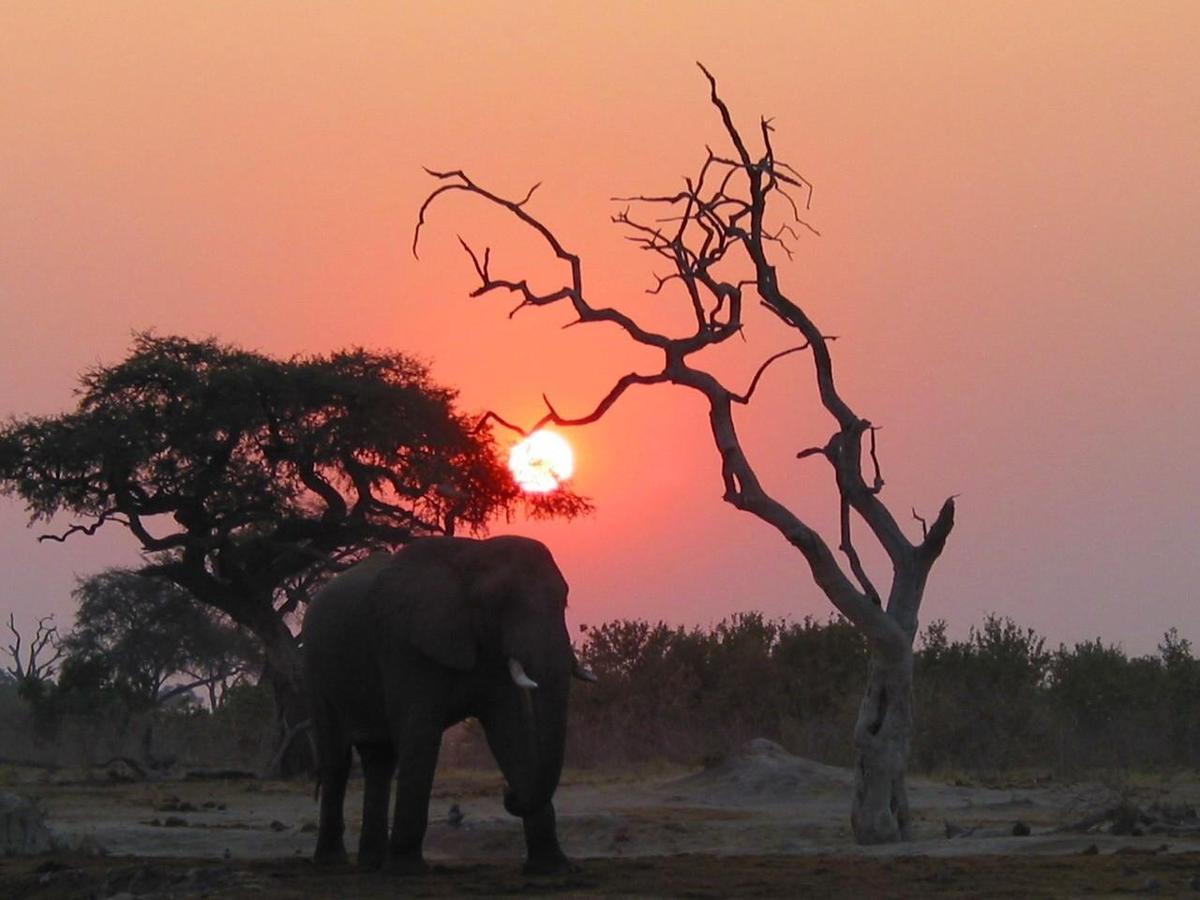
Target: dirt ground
[{"x": 761, "y": 824}]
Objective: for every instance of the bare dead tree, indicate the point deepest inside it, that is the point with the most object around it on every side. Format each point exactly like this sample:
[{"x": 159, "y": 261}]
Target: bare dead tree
[
  {"x": 34, "y": 668},
  {"x": 724, "y": 223}
]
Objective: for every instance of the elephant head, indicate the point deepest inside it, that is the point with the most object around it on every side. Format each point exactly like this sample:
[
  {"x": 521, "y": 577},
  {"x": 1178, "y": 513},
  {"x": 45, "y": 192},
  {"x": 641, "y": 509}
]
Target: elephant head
[{"x": 495, "y": 610}]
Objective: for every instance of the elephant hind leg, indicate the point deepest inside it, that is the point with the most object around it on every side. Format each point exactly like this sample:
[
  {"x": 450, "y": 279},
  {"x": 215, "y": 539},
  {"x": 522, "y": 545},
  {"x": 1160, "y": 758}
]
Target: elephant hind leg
[
  {"x": 379, "y": 764},
  {"x": 333, "y": 771}
]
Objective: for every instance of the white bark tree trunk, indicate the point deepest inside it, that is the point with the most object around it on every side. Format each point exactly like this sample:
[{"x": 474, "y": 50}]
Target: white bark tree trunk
[
  {"x": 879, "y": 813},
  {"x": 715, "y": 218}
]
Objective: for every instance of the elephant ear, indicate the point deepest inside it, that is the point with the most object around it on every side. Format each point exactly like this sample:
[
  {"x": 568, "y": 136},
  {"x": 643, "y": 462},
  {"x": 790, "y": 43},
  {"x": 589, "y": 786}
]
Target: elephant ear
[{"x": 433, "y": 610}]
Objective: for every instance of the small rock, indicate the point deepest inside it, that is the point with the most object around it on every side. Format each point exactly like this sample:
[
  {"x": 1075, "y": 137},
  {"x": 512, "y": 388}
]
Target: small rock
[
  {"x": 123, "y": 771},
  {"x": 276, "y": 825},
  {"x": 1090, "y": 850},
  {"x": 22, "y": 827},
  {"x": 174, "y": 822},
  {"x": 174, "y": 804},
  {"x": 308, "y": 828},
  {"x": 454, "y": 816},
  {"x": 1020, "y": 829},
  {"x": 87, "y": 845}
]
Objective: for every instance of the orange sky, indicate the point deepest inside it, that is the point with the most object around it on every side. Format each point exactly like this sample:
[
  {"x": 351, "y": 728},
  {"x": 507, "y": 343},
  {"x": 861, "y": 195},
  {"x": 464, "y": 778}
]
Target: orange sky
[{"x": 1007, "y": 195}]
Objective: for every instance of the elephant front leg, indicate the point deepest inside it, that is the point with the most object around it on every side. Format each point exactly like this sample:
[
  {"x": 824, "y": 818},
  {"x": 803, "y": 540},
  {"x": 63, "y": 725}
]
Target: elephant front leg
[
  {"x": 414, "y": 781},
  {"x": 379, "y": 763},
  {"x": 544, "y": 856}
]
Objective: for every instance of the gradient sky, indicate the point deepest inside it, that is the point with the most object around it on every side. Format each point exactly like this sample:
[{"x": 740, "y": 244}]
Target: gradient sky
[{"x": 1010, "y": 213}]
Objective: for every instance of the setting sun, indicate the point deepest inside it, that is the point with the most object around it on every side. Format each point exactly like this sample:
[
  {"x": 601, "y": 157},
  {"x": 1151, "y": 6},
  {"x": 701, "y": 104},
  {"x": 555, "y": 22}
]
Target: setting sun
[{"x": 541, "y": 462}]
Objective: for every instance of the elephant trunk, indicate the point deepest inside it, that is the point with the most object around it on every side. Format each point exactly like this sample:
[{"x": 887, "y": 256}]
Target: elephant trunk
[{"x": 544, "y": 734}]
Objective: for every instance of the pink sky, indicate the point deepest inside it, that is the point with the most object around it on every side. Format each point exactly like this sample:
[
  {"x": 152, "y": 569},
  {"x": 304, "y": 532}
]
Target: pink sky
[{"x": 1009, "y": 204}]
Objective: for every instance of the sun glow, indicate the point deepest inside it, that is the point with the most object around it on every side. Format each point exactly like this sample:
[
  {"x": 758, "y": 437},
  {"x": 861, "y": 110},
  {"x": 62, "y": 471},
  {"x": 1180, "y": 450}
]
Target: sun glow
[{"x": 541, "y": 462}]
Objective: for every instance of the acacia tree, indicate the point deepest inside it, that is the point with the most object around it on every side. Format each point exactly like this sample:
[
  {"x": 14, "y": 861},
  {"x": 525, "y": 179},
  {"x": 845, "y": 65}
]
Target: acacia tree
[
  {"x": 148, "y": 640},
  {"x": 719, "y": 236},
  {"x": 246, "y": 478}
]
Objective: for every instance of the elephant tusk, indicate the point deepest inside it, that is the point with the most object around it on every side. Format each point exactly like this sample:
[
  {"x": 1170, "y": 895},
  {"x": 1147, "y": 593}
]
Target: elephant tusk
[
  {"x": 583, "y": 673},
  {"x": 520, "y": 679}
]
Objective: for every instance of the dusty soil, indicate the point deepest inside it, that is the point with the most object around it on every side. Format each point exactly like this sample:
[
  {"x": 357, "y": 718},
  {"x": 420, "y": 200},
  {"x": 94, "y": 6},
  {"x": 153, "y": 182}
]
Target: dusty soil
[{"x": 762, "y": 824}]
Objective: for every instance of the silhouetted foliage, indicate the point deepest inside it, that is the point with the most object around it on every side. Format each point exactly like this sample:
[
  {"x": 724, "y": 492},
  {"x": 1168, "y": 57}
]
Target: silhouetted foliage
[
  {"x": 999, "y": 661},
  {"x": 134, "y": 634},
  {"x": 1182, "y": 695},
  {"x": 687, "y": 694},
  {"x": 690, "y": 694}
]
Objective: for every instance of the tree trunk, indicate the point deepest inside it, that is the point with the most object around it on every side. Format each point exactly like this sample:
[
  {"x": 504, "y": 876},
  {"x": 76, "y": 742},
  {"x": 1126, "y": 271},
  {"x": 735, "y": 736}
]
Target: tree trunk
[
  {"x": 292, "y": 753},
  {"x": 882, "y": 735},
  {"x": 253, "y": 608}
]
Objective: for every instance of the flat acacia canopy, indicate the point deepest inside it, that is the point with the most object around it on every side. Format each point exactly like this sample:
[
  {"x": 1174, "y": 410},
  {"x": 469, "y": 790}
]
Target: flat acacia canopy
[{"x": 240, "y": 471}]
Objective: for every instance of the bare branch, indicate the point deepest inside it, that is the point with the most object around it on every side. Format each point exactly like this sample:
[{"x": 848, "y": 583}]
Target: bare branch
[
  {"x": 429, "y": 200},
  {"x": 481, "y": 268},
  {"x": 662, "y": 280},
  {"x": 845, "y": 451},
  {"x": 490, "y": 416},
  {"x": 856, "y": 566},
  {"x": 529, "y": 194},
  {"x": 730, "y": 129},
  {"x": 32, "y": 668},
  {"x": 877, "y": 484},
  {"x": 935, "y": 541},
  {"x": 623, "y": 383},
  {"x": 108, "y": 515},
  {"x": 800, "y": 181},
  {"x": 552, "y": 417},
  {"x": 924, "y": 524},
  {"x": 681, "y": 197},
  {"x": 745, "y": 398},
  {"x": 458, "y": 181},
  {"x": 14, "y": 649}
]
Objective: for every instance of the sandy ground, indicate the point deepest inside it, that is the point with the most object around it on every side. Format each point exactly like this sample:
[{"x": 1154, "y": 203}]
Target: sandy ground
[{"x": 763, "y": 823}]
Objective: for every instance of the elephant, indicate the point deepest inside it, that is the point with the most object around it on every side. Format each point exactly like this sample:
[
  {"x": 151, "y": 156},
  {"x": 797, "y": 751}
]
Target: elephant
[{"x": 404, "y": 645}]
